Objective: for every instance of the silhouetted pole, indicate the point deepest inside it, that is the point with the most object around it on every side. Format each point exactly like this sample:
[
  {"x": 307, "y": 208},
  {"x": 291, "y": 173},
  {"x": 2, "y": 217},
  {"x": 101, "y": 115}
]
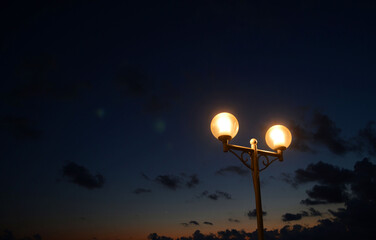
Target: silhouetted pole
[{"x": 256, "y": 186}]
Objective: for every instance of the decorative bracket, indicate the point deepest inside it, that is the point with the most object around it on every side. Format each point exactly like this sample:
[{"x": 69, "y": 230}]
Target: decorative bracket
[
  {"x": 248, "y": 160},
  {"x": 244, "y": 160}
]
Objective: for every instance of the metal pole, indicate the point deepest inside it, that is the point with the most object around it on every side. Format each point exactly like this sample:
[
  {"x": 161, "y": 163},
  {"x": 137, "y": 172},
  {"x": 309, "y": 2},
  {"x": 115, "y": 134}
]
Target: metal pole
[{"x": 256, "y": 186}]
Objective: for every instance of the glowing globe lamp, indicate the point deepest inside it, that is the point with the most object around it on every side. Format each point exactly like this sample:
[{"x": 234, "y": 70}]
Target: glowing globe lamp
[
  {"x": 278, "y": 137},
  {"x": 224, "y": 125}
]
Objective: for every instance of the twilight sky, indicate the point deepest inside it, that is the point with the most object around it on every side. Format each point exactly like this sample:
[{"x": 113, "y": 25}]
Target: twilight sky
[{"x": 106, "y": 107}]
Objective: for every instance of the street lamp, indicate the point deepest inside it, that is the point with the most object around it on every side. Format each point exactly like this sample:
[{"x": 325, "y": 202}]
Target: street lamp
[{"x": 225, "y": 126}]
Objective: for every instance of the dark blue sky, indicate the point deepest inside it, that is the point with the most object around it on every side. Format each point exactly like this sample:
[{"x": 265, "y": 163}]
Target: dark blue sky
[{"x": 106, "y": 110}]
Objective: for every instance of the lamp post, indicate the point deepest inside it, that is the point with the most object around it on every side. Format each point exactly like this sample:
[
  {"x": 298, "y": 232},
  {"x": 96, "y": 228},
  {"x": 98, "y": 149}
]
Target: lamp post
[{"x": 225, "y": 126}]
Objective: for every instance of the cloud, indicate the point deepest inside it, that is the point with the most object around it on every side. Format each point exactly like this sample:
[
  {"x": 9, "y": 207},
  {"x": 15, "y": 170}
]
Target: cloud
[
  {"x": 293, "y": 217},
  {"x": 287, "y": 217},
  {"x": 288, "y": 178},
  {"x": 194, "y": 223},
  {"x": 233, "y": 170},
  {"x": 193, "y": 181},
  {"x": 223, "y": 194},
  {"x": 141, "y": 190},
  {"x": 190, "y": 223},
  {"x": 309, "y": 201},
  {"x": 320, "y": 130},
  {"x": 328, "y": 134},
  {"x": 81, "y": 176},
  {"x": 314, "y": 213},
  {"x": 253, "y": 213},
  {"x": 215, "y": 196},
  {"x": 328, "y": 193},
  {"x": 367, "y": 138},
  {"x": 174, "y": 182},
  {"x": 323, "y": 173},
  {"x": 233, "y": 220},
  {"x": 169, "y": 181},
  {"x": 208, "y": 223},
  {"x": 364, "y": 181},
  {"x": 301, "y": 138},
  {"x": 332, "y": 183}
]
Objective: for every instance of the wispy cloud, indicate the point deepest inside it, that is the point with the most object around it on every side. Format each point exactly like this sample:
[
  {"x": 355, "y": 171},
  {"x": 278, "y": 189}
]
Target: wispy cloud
[
  {"x": 190, "y": 223},
  {"x": 233, "y": 170},
  {"x": 233, "y": 220},
  {"x": 174, "y": 182},
  {"x": 216, "y": 195},
  {"x": 81, "y": 176},
  {"x": 253, "y": 214}
]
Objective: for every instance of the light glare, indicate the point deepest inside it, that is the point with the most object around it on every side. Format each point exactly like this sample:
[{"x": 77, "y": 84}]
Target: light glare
[{"x": 277, "y": 136}]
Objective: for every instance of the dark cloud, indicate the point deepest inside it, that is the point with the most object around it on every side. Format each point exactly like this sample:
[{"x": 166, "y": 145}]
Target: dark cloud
[
  {"x": 223, "y": 194},
  {"x": 367, "y": 138},
  {"x": 81, "y": 176},
  {"x": 287, "y": 217},
  {"x": 190, "y": 223},
  {"x": 208, "y": 223},
  {"x": 292, "y": 217},
  {"x": 194, "y": 223},
  {"x": 328, "y": 193},
  {"x": 321, "y": 130},
  {"x": 323, "y": 173},
  {"x": 233, "y": 220},
  {"x": 309, "y": 202},
  {"x": 169, "y": 181},
  {"x": 301, "y": 138},
  {"x": 141, "y": 190},
  {"x": 215, "y": 196},
  {"x": 289, "y": 178},
  {"x": 253, "y": 213},
  {"x": 233, "y": 170},
  {"x": 193, "y": 181},
  {"x": 174, "y": 182},
  {"x": 364, "y": 181},
  {"x": 20, "y": 127},
  {"x": 332, "y": 183},
  {"x": 328, "y": 134},
  {"x": 314, "y": 213}
]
